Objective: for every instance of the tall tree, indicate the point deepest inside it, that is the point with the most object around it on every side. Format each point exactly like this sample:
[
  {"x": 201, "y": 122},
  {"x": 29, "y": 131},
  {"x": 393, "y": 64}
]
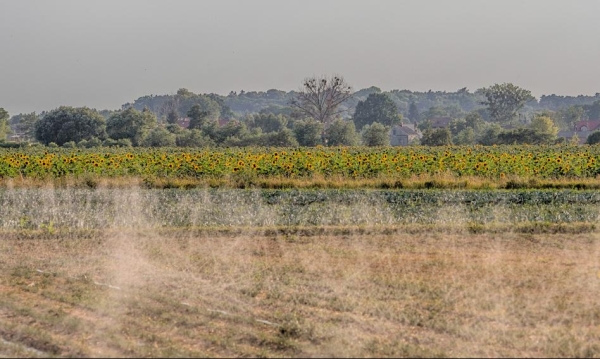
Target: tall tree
[
  {"x": 504, "y": 101},
  {"x": 70, "y": 124},
  {"x": 172, "y": 116},
  {"x": 26, "y": 126},
  {"x": 4, "y": 124},
  {"x": 413, "y": 112},
  {"x": 321, "y": 97},
  {"x": 378, "y": 107},
  {"x": 197, "y": 117},
  {"x": 131, "y": 124}
]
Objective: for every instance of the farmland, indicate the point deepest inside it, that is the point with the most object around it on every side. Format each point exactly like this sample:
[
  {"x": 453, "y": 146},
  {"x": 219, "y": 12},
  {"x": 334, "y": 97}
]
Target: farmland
[
  {"x": 463, "y": 251},
  {"x": 468, "y": 166}
]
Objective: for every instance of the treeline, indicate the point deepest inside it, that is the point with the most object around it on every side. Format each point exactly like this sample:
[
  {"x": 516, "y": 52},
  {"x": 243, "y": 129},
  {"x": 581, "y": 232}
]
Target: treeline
[
  {"x": 499, "y": 114},
  {"x": 85, "y": 127}
]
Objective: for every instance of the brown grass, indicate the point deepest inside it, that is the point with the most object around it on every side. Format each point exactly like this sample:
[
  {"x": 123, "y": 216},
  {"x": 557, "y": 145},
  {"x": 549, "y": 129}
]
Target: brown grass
[
  {"x": 440, "y": 181},
  {"x": 185, "y": 293}
]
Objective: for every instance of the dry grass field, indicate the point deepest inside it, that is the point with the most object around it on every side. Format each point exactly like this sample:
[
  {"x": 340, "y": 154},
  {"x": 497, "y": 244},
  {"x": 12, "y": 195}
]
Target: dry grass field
[{"x": 143, "y": 293}]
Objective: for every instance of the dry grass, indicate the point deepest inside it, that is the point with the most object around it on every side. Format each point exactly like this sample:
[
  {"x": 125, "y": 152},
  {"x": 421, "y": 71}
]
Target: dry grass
[
  {"x": 301, "y": 294},
  {"x": 439, "y": 181}
]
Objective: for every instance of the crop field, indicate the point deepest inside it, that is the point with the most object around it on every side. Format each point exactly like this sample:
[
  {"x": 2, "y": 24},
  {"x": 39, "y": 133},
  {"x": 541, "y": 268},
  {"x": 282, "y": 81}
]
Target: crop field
[
  {"x": 128, "y": 253},
  {"x": 487, "y": 167}
]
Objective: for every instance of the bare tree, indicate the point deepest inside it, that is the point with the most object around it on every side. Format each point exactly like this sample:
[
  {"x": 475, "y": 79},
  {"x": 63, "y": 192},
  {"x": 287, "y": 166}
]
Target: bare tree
[{"x": 321, "y": 97}]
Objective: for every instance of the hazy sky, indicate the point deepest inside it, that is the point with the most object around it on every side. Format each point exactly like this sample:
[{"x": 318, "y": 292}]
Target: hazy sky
[{"x": 105, "y": 53}]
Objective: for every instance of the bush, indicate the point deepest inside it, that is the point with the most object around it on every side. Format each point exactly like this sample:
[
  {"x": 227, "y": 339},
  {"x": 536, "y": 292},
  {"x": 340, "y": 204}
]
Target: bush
[
  {"x": 376, "y": 134},
  {"x": 593, "y": 138}
]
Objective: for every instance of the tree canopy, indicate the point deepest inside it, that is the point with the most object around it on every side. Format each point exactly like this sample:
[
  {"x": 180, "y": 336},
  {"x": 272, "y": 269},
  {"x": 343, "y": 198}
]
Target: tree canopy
[
  {"x": 132, "y": 124},
  {"x": 320, "y": 98},
  {"x": 70, "y": 124},
  {"x": 503, "y": 101},
  {"x": 378, "y": 107}
]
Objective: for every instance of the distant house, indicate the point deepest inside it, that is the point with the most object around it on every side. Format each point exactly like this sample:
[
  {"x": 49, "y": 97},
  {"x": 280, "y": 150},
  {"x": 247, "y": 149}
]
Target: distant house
[
  {"x": 582, "y": 130},
  {"x": 440, "y": 122},
  {"x": 590, "y": 125},
  {"x": 403, "y": 135}
]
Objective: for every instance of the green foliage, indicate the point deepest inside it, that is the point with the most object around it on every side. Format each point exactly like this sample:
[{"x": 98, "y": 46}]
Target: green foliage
[
  {"x": 4, "y": 124},
  {"x": 342, "y": 133},
  {"x": 593, "y": 110},
  {"x": 198, "y": 117},
  {"x": 504, "y": 101},
  {"x": 193, "y": 138},
  {"x": 267, "y": 122},
  {"x": 233, "y": 129},
  {"x": 378, "y": 107},
  {"x": 465, "y": 137},
  {"x": 94, "y": 142},
  {"x": 593, "y": 138},
  {"x": 413, "y": 112},
  {"x": 25, "y": 125},
  {"x": 376, "y": 134},
  {"x": 283, "y": 138},
  {"x": 172, "y": 116},
  {"x": 489, "y": 135},
  {"x": 160, "y": 137},
  {"x": 543, "y": 124},
  {"x": 524, "y": 136},
  {"x": 437, "y": 137},
  {"x": 131, "y": 124},
  {"x": 70, "y": 124},
  {"x": 308, "y": 132},
  {"x": 182, "y": 102}
]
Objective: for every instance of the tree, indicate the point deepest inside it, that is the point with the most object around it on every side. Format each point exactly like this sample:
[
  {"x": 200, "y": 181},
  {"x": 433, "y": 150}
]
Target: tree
[
  {"x": 378, "y": 107},
  {"x": 593, "y": 138},
  {"x": 544, "y": 125},
  {"x": 197, "y": 117},
  {"x": 474, "y": 121},
  {"x": 267, "y": 122},
  {"x": 159, "y": 137},
  {"x": 522, "y": 136},
  {"x": 308, "y": 132},
  {"x": 4, "y": 125},
  {"x": 489, "y": 135},
  {"x": 193, "y": 138},
  {"x": 413, "y": 112},
  {"x": 283, "y": 138},
  {"x": 465, "y": 137},
  {"x": 70, "y": 124},
  {"x": 437, "y": 137},
  {"x": 342, "y": 133},
  {"x": 320, "y": 98},
  {"x": 504, "y": 101},
  {"x": 172, "y": 117},
  {"x": 26, "y": 126},
  {"x": 376, "y": 134},
  {"x": 593, "y": 110},
  {"x": 131, "y": 124}
]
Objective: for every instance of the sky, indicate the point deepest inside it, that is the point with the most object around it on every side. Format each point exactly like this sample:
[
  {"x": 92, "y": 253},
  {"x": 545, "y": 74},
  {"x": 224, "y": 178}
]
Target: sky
[{"x": 102, "y": 54}]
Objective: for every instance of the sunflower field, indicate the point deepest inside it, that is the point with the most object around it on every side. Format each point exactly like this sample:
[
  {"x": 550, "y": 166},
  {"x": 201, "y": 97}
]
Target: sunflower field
[{"x": 495, "y": 162}]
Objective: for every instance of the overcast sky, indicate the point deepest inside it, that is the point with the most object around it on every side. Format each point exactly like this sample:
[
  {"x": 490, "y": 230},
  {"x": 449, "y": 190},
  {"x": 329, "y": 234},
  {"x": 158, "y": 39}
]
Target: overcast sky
[{"x": 105, "y": 53}]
